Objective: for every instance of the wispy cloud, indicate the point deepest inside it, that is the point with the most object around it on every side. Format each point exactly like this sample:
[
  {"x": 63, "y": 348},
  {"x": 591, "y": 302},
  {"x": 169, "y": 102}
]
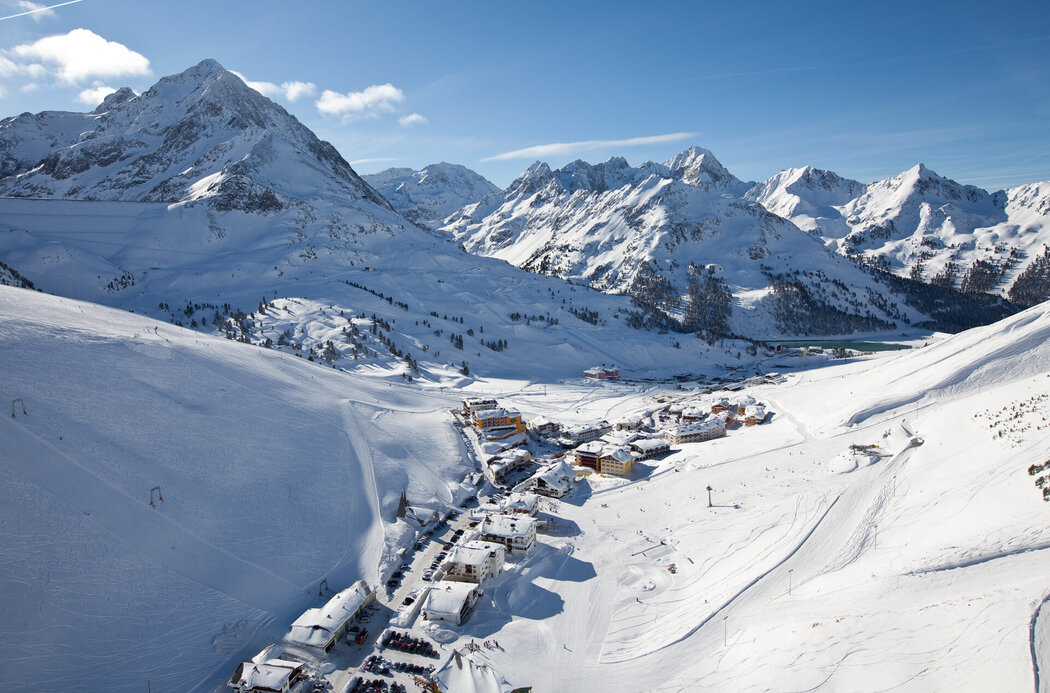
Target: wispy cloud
[
  {"x": 291, "y": 91},
  {"x": 376, "y": 160},
  {"x": 412, "y": 119},
  {"x": 75, "y": 57},
  {"x": 561, "y": 148},
  {"x": 376, "y": 99},
  {"x": 37, "y": 11}
]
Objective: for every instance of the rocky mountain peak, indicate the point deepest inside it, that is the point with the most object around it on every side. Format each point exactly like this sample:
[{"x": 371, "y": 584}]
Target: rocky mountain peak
[
  {"x": 117, "y": 98},
  {"x": 202, "y": 134},
  {"x": 699, "y": 167}
]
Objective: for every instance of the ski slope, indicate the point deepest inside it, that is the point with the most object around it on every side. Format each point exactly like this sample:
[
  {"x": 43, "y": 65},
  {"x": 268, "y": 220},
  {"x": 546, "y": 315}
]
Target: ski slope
[
  {"x": 923, "y": 570},
  {"x": 275, "y": 474}
]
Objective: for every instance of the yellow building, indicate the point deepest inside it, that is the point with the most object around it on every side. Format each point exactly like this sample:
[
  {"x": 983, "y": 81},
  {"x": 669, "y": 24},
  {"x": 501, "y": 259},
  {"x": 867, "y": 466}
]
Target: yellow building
[
  {"x": 616, "y": 462},
  {"x": 498, "y": 418}
]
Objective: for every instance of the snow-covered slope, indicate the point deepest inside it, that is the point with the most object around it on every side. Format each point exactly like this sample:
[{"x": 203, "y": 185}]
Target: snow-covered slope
[
  {"x": 923, "y": 570},
  {"x": 275, "y": 474},
  {"x": 809, "y": 197},
  {"x": 431, "y": 194},
  {"x": 653, "y": 230},
  {"x": 918, "y": 224}
]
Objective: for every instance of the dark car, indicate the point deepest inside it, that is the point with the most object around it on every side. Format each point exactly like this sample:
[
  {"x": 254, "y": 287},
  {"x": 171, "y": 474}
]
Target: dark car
[{"x": 408, "y": 600}]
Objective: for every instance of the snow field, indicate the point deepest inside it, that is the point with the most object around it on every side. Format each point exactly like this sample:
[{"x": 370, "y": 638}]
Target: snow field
[{"x": 267, "y": 484}]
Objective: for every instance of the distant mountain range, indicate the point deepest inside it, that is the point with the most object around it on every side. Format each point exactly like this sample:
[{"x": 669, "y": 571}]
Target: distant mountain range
[
  {"x": 919, "y": 224},
  {"x": 433, "y": 193},
  {"x": 234, "y": 192}
]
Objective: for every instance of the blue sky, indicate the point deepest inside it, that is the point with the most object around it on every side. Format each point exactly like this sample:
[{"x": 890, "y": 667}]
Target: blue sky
[{"x": 864, "y": 89}]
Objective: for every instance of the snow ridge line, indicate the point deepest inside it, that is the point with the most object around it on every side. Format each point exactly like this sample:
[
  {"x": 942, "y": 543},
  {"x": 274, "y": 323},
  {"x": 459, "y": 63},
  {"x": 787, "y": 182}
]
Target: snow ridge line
[
  {"x": 1031, "y": 640},
  {"x": 760, "y": 577},
  {"x": 981, "y": 559}
]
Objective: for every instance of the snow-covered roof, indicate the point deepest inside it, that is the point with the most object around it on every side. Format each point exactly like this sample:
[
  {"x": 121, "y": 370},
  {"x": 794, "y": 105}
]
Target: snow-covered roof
[
  {"x": 591, "y": 447},
  {"x": 619, "y": 454},
  {"x": 448, "y": 597},
  {"x": 494, "y": 447},
  {"x": 521, "y": 502},
  {"x": 499, "y": 412},
  {"x": 513, "y": 455},
  {"x": 317, "y": 626},
  {"x": 700, "y": 426},
  {"x": 508, "y": 526},
  {"x": 576, "y": 429},
  {"x": 267, "y": 675},
  {"x": 474, "y": 552},
  {"x": 620, "y": 437},
  {"x": 648, "y": 444}
]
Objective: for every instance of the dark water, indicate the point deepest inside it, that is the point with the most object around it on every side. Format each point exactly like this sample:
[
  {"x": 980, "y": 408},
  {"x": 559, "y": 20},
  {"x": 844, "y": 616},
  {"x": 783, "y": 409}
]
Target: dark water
[{"x": 846, "y": 344}]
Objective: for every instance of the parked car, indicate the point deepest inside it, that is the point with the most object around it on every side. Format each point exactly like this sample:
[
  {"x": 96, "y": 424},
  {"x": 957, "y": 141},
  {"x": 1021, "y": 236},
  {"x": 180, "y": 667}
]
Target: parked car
[
  {"x": 428, "y": 576},
  {"x": 408, "y": 600},
  {"x": 459, "y": 532}
]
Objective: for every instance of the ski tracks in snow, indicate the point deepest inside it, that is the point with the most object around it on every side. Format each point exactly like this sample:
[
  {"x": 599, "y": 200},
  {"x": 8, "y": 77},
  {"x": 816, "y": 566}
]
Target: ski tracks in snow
[{"x": 146, "y": 529}]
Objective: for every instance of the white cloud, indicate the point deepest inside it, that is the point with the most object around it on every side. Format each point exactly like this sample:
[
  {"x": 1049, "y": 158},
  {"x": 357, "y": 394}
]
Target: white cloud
[
  {"x": 560, "y": 148},
  {"x": 95, "y": 95},
  {"x": 374, "y": 100},
  {"x": 288, "y": 90},
  {"x": 297, "y": 90},
  {"x": 78, "y": 56},
  {"x": 412, "y": 119}
]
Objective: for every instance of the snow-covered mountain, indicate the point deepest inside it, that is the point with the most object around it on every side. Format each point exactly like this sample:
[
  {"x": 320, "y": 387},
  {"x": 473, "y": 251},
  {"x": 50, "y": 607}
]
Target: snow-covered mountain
[
  {"x": 199, "y": 135},
  {"x": 431, "y": 194},
  {"x": 307, "y": 235},
  {"x": 919, "y": 224},
  {"x": 658, "y": 231}
]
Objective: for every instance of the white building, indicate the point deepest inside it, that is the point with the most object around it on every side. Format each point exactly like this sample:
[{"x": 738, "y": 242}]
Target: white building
[
  {"x": 475, "y": 561},
  {"x": 507, "y": 462},
  {"x": 321, "y": 627},
  {"x": 265, "y": 674},
  {"x": 572, "y": 436},
  {"x": 516, "y": 532},
  {"x": 714, "y": 427},
  {"x": 648, "y": 448},
  {"x": 521, "y": 504},
  {"x": 554, "y": 480},
  {"x": 542, "y": 427},
  {"x": 476, "y": 404},
  {"x": 450, "y": 601}
]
